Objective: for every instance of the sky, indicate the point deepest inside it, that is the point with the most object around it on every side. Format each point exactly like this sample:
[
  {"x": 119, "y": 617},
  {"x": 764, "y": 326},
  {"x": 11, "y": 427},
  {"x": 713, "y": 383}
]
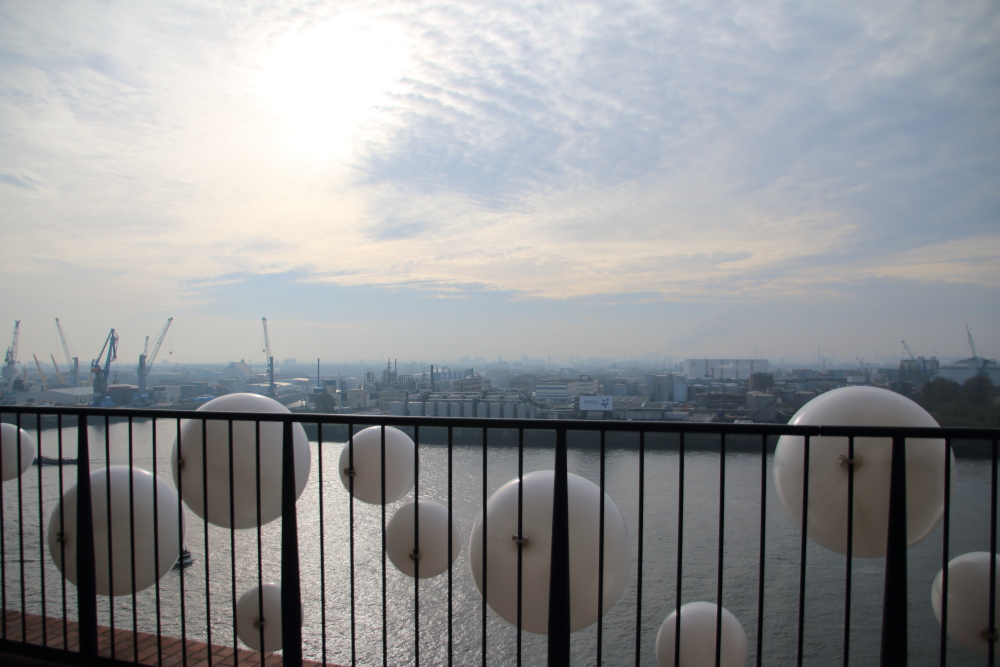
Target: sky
[{"x": 425, "y": 180}]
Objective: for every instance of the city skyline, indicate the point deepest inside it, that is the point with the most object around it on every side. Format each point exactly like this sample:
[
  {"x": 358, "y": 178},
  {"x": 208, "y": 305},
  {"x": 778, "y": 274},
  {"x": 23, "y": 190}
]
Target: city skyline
[{"x": 601, "y": 179}]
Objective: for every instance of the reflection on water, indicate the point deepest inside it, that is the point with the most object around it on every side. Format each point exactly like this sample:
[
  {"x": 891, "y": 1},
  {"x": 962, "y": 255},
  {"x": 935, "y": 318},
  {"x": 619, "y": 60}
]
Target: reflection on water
[{"x": 215, "y": 580}]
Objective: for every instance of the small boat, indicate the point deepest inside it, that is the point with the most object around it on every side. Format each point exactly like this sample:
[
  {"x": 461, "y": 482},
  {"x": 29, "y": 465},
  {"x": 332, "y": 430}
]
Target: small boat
[
  {"x": 53, "y": 461},
  {"x": 186, "y": 559}
]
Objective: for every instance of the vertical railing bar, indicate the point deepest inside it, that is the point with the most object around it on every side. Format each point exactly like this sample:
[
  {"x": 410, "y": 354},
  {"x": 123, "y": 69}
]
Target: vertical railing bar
[
  {"x": 992, "y": 633},
  {"x": 86, "y": 587},
  {"x": 41, "y": 530},
  {"x": 722, "y": 542},
  {"x": 3, "y": 552},
  {"x": 520, "y": 536},
  {"x": 638, "y": 575},
  {"x": 350, "y": 506},
  {"x": 291, "y": 593},
  {"x": 894, "y": 599},
  {"x": 20, "y": 529},
  {"x": 322, "y": 550},
  {"x": 111, "y": 565},
  {"x": 559, "y": 594},
  {"x": 850, "y": 550},
  {"x": 450, "y": 546},
  {"x": 62, "y": 531},
  {"x": 600, "y": 556},
  {"x": 680, "y": 547},
  {"x": 485, "y": 537},
  {"x": 802, "y": 550},
  {"x": 156, "y": 547},
  {"x": 260, "y": 547},
  {"x": 945, "y": 539},
  {"x": 204, "y": 495},
  {"x": 416, "y": 548},
  {"x": 180, "y": 539},
  {"x": 761, "y": 549},
  {"x": 131, "y": 527},
  {"x": 232, "y": 545},
  {"x": 385, "y": 592}
]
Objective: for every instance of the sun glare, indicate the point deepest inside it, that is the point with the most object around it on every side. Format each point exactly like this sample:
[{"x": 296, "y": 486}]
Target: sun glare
[{"x": 323, "y": 84}]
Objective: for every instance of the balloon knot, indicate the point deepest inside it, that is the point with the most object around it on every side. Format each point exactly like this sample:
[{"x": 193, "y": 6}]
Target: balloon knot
[
  {"x": 258, "y": 623},
  {"x": 349, "y": 472},
  {"x": 519, "y": 539},
  {"x": 414, "y": 555},
  {"x": 846, "y": 463},
  {"x": 989, "y": 635},
  {"x": 61, "y": 537},
  {"x": 180, "y": 463}
]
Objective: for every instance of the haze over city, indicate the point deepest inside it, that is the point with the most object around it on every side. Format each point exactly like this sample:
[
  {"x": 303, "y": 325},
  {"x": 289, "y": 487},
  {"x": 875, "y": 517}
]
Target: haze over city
[{"x": 426, "y": 181}]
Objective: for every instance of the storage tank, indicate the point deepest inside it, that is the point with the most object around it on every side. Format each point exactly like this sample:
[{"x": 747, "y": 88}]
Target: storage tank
[
  {"x": 496, "y": 410},
  {"x": 483, "y": 410},
  {"x": 397, "y": 409},
  {"x": 416, "y": 408},
  {"x": 456, "y": 410},
  {"x": 430, "y": 409},
  {"x": 468, "y": 409},
  {"x": 522, "y": 410},
  {"x": 442, "y": 409},
  {"x": 509, "y": 410}
]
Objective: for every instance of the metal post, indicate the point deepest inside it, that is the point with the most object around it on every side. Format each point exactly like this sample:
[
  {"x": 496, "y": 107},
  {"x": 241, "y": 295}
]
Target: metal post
[
  {"x": 559, "y": 601},
  {"x": 86, "y": 572},
  {"x": 894, "y": 598},
  {"x": 291, "y": 595}
]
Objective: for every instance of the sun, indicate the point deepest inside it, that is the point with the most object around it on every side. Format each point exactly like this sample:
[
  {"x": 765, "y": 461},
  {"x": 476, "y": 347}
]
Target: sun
[{"x": 323, "y": 86}]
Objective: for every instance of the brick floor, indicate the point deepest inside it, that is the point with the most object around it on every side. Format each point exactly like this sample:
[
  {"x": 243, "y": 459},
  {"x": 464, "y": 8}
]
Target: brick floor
[{"x": 29, "y": 629}]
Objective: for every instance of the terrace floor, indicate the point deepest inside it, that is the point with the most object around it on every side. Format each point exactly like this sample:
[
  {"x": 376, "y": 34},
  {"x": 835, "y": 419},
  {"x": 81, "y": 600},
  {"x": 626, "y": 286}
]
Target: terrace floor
[{"x": 53, "y": 632}]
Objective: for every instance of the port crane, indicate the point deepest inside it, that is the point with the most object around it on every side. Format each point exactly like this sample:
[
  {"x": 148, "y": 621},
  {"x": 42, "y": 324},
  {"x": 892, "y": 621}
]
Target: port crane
[
  {"x": 74, "y": 362},
  {"x": 41, "y": 373},
  {"x": 59, "y": 374},
  {"x": 270, "y": 361},
  {"x": 146, "y": 362},
  {"x": 908, "y": 350},
  {"x": 101, "y": 373},
  {"x": 10, "y": 365}
]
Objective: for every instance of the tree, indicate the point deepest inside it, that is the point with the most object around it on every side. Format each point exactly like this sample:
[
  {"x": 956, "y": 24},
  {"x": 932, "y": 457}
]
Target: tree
[
  {"x": 324, "y": 402},
  {"x": 939, "y": 391},
  {"x": 978, "y": 391}
]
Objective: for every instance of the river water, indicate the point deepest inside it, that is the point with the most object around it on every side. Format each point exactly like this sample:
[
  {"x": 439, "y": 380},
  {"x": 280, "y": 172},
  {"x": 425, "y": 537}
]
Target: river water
[{"x": 208, "y": 600}]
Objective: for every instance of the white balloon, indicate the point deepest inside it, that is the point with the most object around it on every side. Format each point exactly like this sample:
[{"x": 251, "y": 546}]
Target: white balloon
[
  {"x": 399, "y": 450},
  {"x": 191, "y": 479},
  {"x": 249, "y": 619},
  {"x": 584, "y": 523},
  {"x": 968, "y": 599},
  {"x": 130, "y": 512},
  {"x": 433, "y": 545},
  {"x": 8, "y": 450},
  {"x": 698, "y": 625},
  {"x": 828, "y": 471}
]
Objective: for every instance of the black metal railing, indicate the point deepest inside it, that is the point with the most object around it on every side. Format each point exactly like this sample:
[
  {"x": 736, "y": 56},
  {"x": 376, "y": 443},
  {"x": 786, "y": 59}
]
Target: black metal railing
[{"x": 32, "y": 585}]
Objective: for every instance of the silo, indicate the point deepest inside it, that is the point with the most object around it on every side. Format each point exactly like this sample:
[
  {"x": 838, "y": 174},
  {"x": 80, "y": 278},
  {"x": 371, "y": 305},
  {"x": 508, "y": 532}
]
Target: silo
[
  {"x": 522, "y": 410},
  {"x": 430, "y": 409},
  {"x": 496, "y": 410},
  {"x": 468, "y": 409},
  {"x": 483, "y": 410},
  {"x": 442, "y": 409},
  {"x": 416, "y": 408},
  {"x": 456, "y": 409},
  {"x": 509, "y": 410},
  {"x": 397, "y": 408}
]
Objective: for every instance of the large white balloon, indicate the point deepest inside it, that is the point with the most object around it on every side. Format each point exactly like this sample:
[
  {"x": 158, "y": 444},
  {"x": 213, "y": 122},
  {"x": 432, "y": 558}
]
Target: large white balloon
[
  {"x": 584, "y": 524},
  {"x": 828, "y": 470},
  {"x": 698, "y": 625},
  {"x": 8, "y": 450},
  {"x": 250, "y": 621},
  {"x": 368, "y": 465},
  {"x": 131, "y": 513},
  {"x": 968, "y": 599},
  {"x": 432, "y": 548},
  {"x": 189, "y": 476}
]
